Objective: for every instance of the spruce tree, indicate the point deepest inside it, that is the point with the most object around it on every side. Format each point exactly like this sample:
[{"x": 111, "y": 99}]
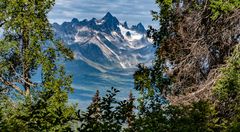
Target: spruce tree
[
  {"x": 108, "y": 114},
  {"x": 91, "y": 119},
  {"x": 191, "y": 43}
]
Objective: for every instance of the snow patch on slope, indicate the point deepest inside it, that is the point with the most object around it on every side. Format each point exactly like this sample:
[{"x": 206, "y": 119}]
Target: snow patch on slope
[
  {"x": 124, "y": 48},
  {"x": 132, "y": 40},
  {"x": 134, "y": 35}
]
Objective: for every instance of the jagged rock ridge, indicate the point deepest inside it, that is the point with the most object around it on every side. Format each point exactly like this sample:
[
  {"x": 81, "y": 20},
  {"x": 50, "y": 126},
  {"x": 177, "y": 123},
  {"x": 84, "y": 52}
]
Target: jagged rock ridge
[{"x": 106, "y": 44}]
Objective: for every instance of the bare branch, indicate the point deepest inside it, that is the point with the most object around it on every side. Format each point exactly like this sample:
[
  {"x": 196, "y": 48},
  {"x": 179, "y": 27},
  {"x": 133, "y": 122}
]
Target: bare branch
[
  {"x": 7, "y": 83},
  {"x": 21, "y": 80}
]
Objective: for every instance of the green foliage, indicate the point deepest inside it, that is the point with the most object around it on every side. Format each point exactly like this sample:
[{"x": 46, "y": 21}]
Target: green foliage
[
  {"x": 228, "y": 86},
  {"x": 39, "y": 115},
  {"x": 156, "y": 114},
  {"x": 193, "y": 118},
  {"x": 219, "y": 7},
  {"x": 28, "y": 46},
  {"x": 107, "y": 114},
  {"x": 149, "y": 82},
  {"x": 227, "y": 92}
]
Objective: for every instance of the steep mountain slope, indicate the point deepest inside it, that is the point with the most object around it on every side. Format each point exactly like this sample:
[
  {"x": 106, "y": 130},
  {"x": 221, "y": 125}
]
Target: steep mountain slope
[
  {"x": 106, "y": 54},
  {"x": 106, "y": 44}
]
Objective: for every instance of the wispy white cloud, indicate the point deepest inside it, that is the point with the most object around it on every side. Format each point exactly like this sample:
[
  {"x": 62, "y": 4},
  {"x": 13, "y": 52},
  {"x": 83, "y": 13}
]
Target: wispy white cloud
[{"x": 133, "y": 11}]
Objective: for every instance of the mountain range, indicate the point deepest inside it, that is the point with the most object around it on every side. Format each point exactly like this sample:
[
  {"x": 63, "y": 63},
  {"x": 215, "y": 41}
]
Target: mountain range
[{"x": 106, "y": 52}]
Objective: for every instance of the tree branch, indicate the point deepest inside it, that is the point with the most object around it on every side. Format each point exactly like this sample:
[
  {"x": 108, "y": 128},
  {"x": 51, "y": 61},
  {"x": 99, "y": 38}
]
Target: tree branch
[
  {"x": 2, "y": 23},
  {"x": 21, "y": 80},
  {"x": 7, "y": 83}
]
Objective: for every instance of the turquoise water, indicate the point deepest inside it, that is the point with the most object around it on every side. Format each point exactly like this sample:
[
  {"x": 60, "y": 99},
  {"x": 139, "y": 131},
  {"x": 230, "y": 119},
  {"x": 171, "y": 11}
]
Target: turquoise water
[{"x": 86, "y": 80}]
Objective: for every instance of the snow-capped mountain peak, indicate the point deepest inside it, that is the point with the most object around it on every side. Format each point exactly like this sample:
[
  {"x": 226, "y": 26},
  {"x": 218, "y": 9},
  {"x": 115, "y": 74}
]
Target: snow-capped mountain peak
[{"x": 106, "y": 43}]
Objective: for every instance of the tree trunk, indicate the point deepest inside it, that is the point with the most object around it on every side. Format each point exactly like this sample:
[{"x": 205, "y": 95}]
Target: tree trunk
[{"x": 26, "y": 70}]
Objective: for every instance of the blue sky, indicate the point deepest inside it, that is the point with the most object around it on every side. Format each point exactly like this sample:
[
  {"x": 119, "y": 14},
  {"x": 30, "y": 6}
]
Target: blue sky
[{"x": 132, "y": 11}]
